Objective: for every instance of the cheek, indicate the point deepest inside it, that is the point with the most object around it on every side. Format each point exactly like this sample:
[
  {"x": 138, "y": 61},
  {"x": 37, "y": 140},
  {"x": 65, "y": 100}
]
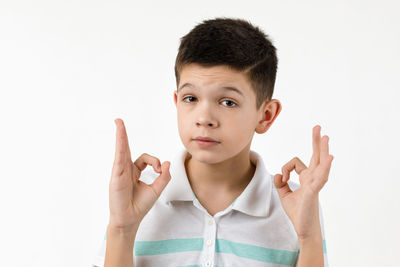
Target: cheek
[
  {"x": 183, "y": 125},
  {"x": 239, "y": 127}
]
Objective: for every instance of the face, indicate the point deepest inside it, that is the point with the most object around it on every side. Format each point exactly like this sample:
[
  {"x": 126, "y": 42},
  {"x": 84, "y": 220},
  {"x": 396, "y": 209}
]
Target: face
[{"x": 206, "y": 108}]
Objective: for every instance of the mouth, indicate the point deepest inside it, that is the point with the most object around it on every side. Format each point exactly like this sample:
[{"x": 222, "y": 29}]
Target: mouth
[{"x": 206, "y": 141}]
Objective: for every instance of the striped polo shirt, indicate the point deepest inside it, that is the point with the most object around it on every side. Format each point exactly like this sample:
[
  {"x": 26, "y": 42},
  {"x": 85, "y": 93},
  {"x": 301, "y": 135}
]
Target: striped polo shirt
[{"x": 178, "y": 231}]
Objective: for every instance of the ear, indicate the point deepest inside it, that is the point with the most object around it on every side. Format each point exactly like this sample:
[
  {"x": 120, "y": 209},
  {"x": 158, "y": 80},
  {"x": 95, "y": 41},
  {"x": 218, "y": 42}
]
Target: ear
[
  {"x": 269, "y": 111},
  {"x": 175, "y": 97}
]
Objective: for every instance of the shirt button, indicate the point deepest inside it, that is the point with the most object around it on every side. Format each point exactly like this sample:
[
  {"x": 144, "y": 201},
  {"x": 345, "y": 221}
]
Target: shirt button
[
  {"x": 209, "y": 242},
  {"x": 210, "y": 221},
  {"x": 208, "y": 263}
]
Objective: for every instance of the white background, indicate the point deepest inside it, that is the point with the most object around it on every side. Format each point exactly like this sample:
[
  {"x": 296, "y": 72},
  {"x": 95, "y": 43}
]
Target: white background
[{"x": 69, "y": 68}]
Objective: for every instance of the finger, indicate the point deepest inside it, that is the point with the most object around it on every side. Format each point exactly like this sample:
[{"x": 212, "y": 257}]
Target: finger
[
  {"x": 296, "y": 164},
  {"x": 282, "y": 187},
  {"x": 325, "y": 160},
  {"x": 322, "y": 173},
  {"x": 324, "y": 148},
  {"x": 161, "y": 181},
  {"x": 316, "y": 141},
  {"x": 146, "y": 159},
  {"x": 122, "y": 151}
]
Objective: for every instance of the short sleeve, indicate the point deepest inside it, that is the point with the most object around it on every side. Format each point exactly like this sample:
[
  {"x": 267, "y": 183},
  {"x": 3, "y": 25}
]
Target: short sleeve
[
  {"x": 321, "y": 220},
  {"x": 100, "y": 255}
]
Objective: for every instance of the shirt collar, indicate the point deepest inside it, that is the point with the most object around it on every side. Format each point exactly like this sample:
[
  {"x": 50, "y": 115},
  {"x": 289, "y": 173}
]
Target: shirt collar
[
  {"x": 178, "y": 188},
  {"x": 254, "y": 200}
]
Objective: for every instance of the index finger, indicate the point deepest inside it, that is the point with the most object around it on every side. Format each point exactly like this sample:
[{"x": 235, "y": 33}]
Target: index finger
[
  {"x": 122, "y": 151},
  {"x": 316, "y": 141},
  {"x": 295, "y": 164}
]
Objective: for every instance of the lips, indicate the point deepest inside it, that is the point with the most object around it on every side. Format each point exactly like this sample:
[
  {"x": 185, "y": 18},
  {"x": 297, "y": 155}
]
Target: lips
[{"x": 204, "y": 138}]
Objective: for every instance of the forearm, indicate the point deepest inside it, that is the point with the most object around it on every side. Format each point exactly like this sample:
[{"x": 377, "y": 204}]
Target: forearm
[
  {"x": 119, "y": 248},
  {"x": 311, "y": 252}
]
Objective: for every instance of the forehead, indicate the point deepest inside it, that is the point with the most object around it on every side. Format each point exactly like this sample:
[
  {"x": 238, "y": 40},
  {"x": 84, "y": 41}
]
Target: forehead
[{"x": 215, "y": 76}]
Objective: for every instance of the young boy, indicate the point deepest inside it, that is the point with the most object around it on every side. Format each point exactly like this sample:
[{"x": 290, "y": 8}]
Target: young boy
[{"x": 219, "y": 206}]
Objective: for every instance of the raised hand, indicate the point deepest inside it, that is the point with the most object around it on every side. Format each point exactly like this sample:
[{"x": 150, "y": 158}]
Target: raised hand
[
  {"x": 131, "y": 199},
  {"x": 301, "y": 205}
]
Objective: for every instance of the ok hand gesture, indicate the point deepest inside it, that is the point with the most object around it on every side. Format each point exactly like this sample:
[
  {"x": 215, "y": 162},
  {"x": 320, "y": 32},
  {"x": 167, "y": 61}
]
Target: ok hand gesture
[
  {"x": 301, "y": 205},
  {"x": 131, "y": 199}
]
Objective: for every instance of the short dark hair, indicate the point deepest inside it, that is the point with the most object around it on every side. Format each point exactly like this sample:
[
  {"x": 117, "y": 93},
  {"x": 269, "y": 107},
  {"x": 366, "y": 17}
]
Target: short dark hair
[{"x": 235, "y": 43}]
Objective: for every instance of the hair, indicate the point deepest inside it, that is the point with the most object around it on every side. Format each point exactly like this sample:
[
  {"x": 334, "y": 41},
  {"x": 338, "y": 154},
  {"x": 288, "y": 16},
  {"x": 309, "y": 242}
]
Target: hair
[{"x": 235, "y": 43}]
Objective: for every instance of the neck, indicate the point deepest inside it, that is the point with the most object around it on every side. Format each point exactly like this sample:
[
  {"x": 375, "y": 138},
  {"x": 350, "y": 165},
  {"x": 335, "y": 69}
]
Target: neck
[{"x": 231, "y": 175}]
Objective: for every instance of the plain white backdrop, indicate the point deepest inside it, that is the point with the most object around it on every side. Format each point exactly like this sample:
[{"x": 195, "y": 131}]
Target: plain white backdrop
[{"x": 69, "y": 68}]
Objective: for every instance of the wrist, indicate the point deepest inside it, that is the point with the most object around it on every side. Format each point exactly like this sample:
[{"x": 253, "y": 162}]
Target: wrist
[
  {"x": 122, "y": 231},
  {"x": 312, "y": 239},
  {"x": 313, "y": 233},
  {"x": 311, "y": 251}
]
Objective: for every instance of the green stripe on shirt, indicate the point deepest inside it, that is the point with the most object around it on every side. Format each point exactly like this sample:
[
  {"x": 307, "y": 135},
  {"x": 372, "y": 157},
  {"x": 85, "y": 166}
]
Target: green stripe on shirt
[
  {"x": 258, "y": 253},
  {"x": 143, "y": 248},
  {"x": 284, "y": 257}
]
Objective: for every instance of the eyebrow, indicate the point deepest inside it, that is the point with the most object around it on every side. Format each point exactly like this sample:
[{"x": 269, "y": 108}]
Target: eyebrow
[{"x": 230, "y": 88}]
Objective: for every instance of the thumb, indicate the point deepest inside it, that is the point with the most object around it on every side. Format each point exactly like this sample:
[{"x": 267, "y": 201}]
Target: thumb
[
  {"x": 282, "y": 187},
  {"x": 163, "y": 179}
]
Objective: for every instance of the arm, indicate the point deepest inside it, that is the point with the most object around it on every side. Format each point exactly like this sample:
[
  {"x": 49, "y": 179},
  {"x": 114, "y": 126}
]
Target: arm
[
  {"x": 119, "y": 249},
  {"x": 129, "y": 199},
  {"x": 302, "y": 205},
  {"x": 311, "y": 252}
]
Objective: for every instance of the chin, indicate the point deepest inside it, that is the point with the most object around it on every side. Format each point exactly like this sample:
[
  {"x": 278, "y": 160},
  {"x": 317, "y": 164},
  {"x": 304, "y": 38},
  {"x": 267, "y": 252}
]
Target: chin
[{"x": 206, "y": 155}]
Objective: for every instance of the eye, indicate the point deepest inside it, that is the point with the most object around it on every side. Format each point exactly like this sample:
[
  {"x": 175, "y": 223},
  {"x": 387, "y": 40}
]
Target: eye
[
  {"x": 230, "y": 101},
  {"x": 186, "y": 98}
]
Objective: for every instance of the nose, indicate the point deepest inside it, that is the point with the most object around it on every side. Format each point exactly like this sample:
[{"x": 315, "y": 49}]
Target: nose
[
  {"x": 208, "y": 124},
  {"x": 206, "y": 121}
]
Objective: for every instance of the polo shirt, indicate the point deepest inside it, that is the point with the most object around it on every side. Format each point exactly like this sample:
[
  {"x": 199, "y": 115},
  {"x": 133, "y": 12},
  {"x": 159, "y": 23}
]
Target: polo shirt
[{"x": 253, "y": 231}]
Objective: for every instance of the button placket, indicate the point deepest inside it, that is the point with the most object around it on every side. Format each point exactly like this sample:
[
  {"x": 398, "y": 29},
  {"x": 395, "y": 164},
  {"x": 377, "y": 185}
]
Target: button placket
[{"x": 209, "y": 238}]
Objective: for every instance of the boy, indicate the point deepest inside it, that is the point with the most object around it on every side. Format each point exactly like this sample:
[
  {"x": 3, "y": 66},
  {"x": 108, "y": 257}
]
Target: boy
[{"x": 218, "y": 206}]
